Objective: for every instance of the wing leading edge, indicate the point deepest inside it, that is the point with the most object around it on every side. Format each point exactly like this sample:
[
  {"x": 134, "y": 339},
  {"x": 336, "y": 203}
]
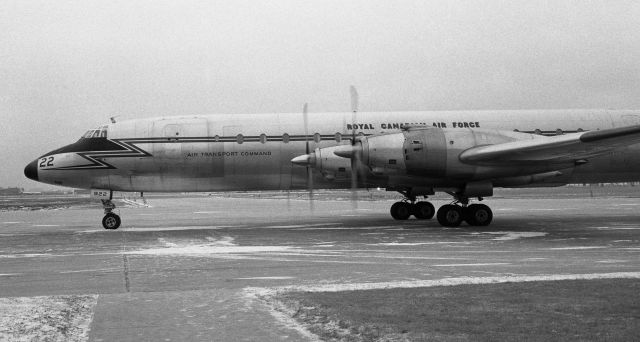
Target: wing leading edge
[{"x": 560, "y": 149}]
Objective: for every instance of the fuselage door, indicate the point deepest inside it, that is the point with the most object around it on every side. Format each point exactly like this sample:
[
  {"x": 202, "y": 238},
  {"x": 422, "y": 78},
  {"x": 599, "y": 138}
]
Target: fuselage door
[{"x": 173, "y": 148}]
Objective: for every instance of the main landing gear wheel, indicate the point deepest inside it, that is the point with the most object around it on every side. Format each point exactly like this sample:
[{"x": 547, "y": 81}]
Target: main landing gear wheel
[
  {"x": 424, "y": 210},
  {"x": 478, "y": 215},
  {"x": 450, "y": 215},
  {"x": 111, "y": 221},
  {"x": 401, "y": 211}
]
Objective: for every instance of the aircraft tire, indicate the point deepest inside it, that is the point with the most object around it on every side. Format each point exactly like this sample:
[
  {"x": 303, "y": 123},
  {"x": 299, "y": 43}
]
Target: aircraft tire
[
  {"x": 478, "y": 215},
  {"x": 424, "y": 210},
  {"x": 401, "y": 211},
  {"x": 111, "y": 221},
  {"x": 450, "y": 215}
]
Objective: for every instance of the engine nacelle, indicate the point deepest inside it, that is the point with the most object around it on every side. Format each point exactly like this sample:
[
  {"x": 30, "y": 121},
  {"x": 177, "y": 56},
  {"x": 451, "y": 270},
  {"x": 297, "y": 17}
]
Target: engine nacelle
[{"x": 428, "y": 152}]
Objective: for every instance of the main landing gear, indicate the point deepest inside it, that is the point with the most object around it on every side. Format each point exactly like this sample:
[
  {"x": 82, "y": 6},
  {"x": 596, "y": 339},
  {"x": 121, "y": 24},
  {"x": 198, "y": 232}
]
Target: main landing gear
[
  {"x": 449, "y": 215},
  {"x": 452, "y": 215},
  {"x": 110, "y": 220},
  {"x": 403, "y": 210}
]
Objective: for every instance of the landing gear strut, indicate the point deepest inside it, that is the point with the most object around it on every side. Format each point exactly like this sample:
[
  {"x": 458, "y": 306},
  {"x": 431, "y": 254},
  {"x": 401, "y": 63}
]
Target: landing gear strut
[
  {"x": 403, "y": 210},
  {"x": 110, "y": 220}
]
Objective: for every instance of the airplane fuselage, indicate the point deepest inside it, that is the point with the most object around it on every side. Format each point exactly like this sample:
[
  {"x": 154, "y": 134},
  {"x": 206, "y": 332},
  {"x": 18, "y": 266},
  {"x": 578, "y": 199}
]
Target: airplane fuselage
[{"x": 254, "y": 151}]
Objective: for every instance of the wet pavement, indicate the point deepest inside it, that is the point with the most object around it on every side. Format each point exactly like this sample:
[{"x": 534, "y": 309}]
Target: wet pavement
[{"x": 178, "y": 270}]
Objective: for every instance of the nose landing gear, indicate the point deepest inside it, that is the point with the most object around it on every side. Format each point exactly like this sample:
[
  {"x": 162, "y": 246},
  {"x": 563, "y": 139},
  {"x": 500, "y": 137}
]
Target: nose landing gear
[{"x": 110, "y": 220}]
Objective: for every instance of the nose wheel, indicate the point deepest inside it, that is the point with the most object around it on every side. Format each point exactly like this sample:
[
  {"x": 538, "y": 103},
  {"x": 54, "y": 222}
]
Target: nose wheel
[{"x": 110, "y": 220}]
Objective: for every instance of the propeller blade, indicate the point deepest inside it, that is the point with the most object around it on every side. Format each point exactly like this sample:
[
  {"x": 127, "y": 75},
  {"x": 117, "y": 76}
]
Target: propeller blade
[
  {"x": 354, "y": 161},
  {"x": 305, "y": 117},
  {"x": 354, "y": 99},
  {"x": 354, "y": 112},
  {"x": 310, "y": 187}
]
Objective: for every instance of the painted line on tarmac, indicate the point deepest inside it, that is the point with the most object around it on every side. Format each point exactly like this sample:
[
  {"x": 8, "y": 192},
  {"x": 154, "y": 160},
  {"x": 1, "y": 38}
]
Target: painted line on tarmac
[
  {"x": 265, "y": 278},
  {"x": 94, "y": 270},
  {"x": 260, "y": 291},
  {"x": 476, "y": 264},
  {"x": 574, "y": 248}
]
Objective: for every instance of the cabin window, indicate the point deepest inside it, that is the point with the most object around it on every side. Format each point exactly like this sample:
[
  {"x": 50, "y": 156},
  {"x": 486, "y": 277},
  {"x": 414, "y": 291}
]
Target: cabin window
[
  {"x": 317, "y": 137},
  {"x": 538, "y": 131},
  {"x": 239, "y": 138},
  {"x": 285, "y": 138},
  {"x": 338, "y": 137},
  {"x": 263, "y": 138},
  {"x": 559, "y": 131}
]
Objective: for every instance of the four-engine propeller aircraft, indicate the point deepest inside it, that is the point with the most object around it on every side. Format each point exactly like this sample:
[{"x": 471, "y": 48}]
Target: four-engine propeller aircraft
[{"x": 463, "y": 153}]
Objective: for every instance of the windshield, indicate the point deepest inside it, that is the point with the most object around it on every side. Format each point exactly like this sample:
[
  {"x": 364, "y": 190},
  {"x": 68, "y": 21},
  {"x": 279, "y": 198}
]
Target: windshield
[{"x": 96, "y": 133}]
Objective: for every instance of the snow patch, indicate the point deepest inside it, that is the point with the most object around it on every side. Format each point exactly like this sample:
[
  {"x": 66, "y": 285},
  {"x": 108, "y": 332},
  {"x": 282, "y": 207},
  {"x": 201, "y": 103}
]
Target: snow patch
[
  {"x": 415, "y": 243},
  {"x": 52, "y": 318},
  {"x": 224, "y": 241},
  {"x": 506, "y": 236},
  {"x": 216, "y": 246},
  {"x": 211, "y": 250}
]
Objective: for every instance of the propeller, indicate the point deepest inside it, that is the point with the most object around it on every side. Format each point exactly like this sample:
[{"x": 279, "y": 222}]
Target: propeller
[
  {"x": 355, "y": 159},
  {"x": 305, "y": 116}
]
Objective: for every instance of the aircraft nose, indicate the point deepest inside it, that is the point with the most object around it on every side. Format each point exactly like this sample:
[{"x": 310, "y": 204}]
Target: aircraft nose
[{"x": 31, "y": 170}]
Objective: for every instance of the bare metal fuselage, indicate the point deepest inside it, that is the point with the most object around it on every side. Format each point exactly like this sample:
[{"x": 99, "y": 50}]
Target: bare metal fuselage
[{"x": 254, "y": 151}]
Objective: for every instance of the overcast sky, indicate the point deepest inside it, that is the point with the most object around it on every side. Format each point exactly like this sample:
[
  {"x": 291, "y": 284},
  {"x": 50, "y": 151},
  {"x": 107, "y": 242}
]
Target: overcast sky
[{"x": 67, "y": 66}]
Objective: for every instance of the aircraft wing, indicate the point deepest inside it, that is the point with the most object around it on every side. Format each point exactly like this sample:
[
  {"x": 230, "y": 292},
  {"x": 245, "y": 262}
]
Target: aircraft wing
[{"x": 557, "y": 149}]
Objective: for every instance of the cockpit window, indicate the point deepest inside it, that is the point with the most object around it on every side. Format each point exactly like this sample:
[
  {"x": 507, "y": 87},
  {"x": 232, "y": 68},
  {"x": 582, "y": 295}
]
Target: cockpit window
[{"x": 96, "y": 133}]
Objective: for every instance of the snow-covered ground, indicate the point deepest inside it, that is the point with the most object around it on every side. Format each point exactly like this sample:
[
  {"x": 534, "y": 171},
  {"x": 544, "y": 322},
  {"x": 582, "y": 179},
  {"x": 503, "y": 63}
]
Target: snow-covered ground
[{"x": 50, "y": 318}]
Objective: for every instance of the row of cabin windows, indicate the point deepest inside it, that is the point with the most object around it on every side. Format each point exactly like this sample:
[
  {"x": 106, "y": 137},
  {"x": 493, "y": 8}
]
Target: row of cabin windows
[
  {"x": 338, "y": 136},
  {"x": 558, "y": 131},
  {"x": 286, "y": 138}
]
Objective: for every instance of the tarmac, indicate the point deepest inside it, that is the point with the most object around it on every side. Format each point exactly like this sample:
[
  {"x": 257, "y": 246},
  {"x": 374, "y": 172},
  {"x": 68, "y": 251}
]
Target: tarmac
[{"x": 181, "y": 268}]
